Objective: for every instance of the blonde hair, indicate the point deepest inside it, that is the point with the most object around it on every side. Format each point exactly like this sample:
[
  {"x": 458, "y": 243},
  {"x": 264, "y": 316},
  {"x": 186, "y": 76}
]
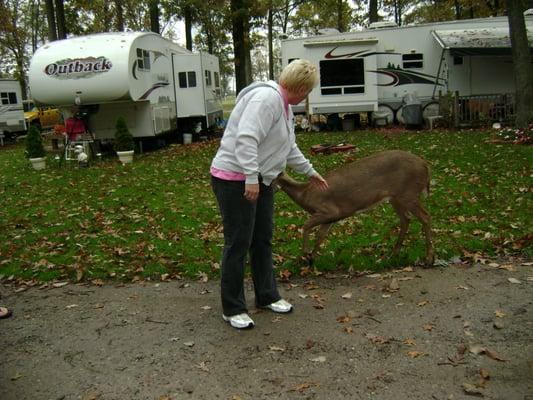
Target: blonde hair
[{"x": 299, "y": 74}]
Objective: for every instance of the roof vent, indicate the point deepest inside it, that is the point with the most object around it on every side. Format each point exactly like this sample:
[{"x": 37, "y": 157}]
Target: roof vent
[{"x": 382, "y": 24}]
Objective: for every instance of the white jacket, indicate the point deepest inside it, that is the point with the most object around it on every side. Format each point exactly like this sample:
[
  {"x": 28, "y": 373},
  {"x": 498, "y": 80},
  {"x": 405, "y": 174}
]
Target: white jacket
[{"x": 259, "y": 137}]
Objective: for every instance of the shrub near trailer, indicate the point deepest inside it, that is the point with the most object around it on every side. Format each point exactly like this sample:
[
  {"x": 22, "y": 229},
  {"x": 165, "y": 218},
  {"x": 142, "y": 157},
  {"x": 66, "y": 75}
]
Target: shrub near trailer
[
  {"x": 124, "y": 144},
  {"x": 35, "y": 149}
]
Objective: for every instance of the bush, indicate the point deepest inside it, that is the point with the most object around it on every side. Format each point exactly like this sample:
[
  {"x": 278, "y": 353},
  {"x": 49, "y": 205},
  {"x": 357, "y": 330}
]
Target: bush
[
  {"x": 123, "y": 137},
  {"x": 34, "y": 143}
]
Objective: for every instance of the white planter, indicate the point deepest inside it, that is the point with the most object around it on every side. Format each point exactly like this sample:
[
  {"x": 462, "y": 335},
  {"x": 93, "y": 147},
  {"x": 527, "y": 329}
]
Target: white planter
[
  {"x": 125, "y": 157},
  {"x": 38, "y": 163}
]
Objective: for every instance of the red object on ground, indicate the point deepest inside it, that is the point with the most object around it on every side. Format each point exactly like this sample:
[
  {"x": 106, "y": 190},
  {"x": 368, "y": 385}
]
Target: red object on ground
[{"x": 331, "y": 148}]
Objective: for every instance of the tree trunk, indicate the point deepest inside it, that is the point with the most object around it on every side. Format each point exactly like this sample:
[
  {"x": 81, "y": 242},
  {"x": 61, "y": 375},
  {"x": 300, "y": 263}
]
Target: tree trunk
[
  {"x": 373, "y": 11},
  {"x": 521, "y": 63},
  {"x": 239, "y": 17},
  {"x": 60, "y": 18},
  {"x": 457, "y": 5},
  {"x": 35, "y": 7},
  {"x": 51, "y": 18},
  {"x": 340, "y": 25},
  {"x": 119, "y": 15},
  {"x": 154, "y": 16},
  {"x": 187, "y": 15},
  {"x": 270, "y": 42}
]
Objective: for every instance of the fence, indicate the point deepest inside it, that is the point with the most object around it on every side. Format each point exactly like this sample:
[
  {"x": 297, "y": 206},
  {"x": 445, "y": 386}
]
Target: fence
[{"x": 479, "y": 109}]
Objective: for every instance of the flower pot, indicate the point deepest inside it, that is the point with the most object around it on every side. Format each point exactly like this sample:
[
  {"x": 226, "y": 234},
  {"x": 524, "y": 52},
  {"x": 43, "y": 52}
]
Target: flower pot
[
  {"x": 38, "y": 163},
  {"x": 125, "y": 157}
]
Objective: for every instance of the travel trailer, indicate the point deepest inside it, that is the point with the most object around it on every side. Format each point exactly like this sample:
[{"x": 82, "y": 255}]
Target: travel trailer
[
  {"x": 155, "y": 84},
  {"x": 11, "y": 111},
  {"x": 373, "y": 70}
]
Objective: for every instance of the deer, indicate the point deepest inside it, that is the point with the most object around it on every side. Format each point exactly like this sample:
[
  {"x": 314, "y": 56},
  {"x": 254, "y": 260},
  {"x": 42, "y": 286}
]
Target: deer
[{"x": 394, "y": 175}]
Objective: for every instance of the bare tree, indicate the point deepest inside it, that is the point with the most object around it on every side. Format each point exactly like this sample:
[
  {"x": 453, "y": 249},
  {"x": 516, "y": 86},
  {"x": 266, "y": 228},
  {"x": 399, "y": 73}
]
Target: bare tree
[
  {"x": 60, "y": 20},
  {"x": 373, "y": 11}
]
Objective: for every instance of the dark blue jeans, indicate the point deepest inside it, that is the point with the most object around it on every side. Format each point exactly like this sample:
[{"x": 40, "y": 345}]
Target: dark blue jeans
[{"x": 248, "y": 228}]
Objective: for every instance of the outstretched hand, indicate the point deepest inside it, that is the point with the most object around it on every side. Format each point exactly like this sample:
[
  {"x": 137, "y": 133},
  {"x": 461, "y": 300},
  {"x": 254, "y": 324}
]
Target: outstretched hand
[{"x": 319, "y": 182}]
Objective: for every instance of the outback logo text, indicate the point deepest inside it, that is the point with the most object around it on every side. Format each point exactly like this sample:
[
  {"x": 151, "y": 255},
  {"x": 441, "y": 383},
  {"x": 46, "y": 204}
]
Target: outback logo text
[{"x": 78, "y": 68}]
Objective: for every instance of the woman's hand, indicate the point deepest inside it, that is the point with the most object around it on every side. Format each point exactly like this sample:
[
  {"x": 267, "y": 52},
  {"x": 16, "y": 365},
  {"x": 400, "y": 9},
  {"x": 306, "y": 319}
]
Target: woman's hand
[
  {"x": 318, "y": 181},
  {"x": 251, "y": 191}
]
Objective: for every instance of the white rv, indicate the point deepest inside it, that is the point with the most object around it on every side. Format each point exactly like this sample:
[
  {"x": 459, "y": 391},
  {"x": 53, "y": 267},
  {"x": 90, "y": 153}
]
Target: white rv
[
  {"x": 148, "y": 80},
  {"x": 11, "y": 110},
  {"x": 372, "y": 70}
]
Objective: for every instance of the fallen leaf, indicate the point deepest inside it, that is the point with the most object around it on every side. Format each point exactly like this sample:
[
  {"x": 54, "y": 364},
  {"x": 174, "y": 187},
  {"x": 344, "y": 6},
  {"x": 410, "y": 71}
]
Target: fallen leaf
[
  {"x": 319, "y": 359},
  {"x": 98, "y": 305},
  {"x": 206, "y": 308},
  {"x": 59, "y": 284},
  {"x": 409, "y": 342},
  {"x": 343, "y": 319},
  {"x": 394, "y": 285},
  {"x": 303, "y": 296},
  {"x": 303, "y": 386},
  {"x": 374, "y": 276},
  {"x": 428, "y": 327},
  {"x": 507, "y": 267},
  {"x": 377, "y": 339},
  {"x": 415, "y": 353},
  {"x": 514, "y": 280},
  {"x": 472, "y": 389},
  {"x": 189, "y": 344},
  {"x": 484, "y": 373},
  {"x": 495, "y": 356},
  {"x": 423, "y": 303},
  {"x": 17, "y": 376},
  {"x": 499, "y": 313},
  {"x": 348, "y": 329},
  {"x": 347, "y": 295},
  {"x": 71, "y": 306},
  {"x": 276, "y": 348},
  {"x": 203, "y": 366}
]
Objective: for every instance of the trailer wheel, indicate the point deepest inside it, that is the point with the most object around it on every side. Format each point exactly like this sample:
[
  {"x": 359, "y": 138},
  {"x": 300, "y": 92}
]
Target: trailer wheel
[
  {"x": 399, "y": 116},
  {"x": 385, "y": 111},
  {"x": 431, "y": 109}
]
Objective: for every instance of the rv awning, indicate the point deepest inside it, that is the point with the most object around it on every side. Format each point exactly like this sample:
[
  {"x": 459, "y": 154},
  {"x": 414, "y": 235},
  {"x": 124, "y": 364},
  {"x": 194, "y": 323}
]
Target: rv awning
[
  {"x": 340, "y": 41},
  {"x": 480, "y": 41}
]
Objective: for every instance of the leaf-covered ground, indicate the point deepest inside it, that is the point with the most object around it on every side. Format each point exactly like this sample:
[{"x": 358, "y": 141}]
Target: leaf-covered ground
[
  {"x": 419, "y": 334},
  {"x": 157, "y": 218}
]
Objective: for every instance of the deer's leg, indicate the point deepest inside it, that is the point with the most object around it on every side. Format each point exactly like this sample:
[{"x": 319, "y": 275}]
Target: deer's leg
[
  {"x": 425, "y": 219},
  {"x": 404, "y": 226},
  {"x": 315, "y": 220},
  {"x": 321, "y": 235}
]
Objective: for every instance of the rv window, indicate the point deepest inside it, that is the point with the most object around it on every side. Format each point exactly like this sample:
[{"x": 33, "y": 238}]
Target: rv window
[
  {"x": 187, "y": 79},
  {"x": 339, "y": 77},
  {"x": 191, "y": 75},
  {"x": 182, "y": 77},
  {"x": 143, "y": 59},
  {"x": 8, "y": 97},
  {"x": 217, "y": 79},
  {"x": 208, "y": 81},
  {"x": 413, "y": 60}
]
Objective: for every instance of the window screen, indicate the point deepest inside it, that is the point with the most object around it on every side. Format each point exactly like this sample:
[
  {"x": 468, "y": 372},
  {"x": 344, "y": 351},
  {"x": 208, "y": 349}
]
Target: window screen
[
  {"x": 413, "y": 60},
  {"x": 338, "y": 77}
]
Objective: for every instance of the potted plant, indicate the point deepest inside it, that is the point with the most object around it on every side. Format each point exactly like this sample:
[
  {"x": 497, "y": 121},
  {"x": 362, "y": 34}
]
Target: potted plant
[
  {"x": 35, "y": 149},
  {"x": 124, "y": 143}
]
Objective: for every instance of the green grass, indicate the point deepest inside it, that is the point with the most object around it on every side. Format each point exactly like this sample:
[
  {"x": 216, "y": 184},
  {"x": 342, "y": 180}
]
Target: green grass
[{"x": 158, "y": 215}]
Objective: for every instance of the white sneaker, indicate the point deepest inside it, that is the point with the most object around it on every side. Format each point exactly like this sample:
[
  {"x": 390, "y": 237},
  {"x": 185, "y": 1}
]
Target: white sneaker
[
  {"x": 239, "y": 321},
  {"x": 280, "y": 306}
]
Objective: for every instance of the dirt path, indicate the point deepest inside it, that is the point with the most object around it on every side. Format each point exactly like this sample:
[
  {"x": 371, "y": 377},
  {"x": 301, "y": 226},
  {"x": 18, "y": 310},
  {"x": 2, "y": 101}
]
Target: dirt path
[{"x": 421, "y": 334}]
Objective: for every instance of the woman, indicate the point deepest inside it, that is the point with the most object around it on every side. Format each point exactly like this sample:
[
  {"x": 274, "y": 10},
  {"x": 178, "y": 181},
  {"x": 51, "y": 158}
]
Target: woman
[{"x": 257, "y": 144}]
